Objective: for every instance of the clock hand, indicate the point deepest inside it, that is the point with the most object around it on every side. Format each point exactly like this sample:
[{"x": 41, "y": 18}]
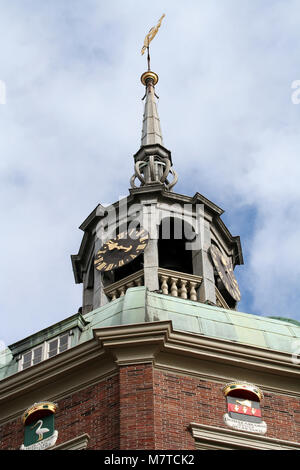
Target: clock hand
[
  {"x": 125, "y": 248},
  {"x": 114, "y": 245}
]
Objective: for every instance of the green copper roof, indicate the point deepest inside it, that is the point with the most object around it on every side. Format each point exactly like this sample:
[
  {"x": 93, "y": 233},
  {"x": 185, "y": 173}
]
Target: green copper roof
[
  {"x": 289, "y": 320},
  {"x": 140, "y": 306},
  {"x": 8, "y": 357}
]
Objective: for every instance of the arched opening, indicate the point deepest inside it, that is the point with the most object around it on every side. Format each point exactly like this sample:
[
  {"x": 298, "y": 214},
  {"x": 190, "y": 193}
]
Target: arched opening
[{"x": 174, "y": 233}]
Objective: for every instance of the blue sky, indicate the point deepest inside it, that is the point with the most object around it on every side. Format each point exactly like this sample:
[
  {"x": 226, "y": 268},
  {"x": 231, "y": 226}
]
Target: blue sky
[{"x": 72, "y": 122}]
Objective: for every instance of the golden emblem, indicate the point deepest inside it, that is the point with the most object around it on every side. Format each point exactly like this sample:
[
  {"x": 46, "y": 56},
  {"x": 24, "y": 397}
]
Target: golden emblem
[
  {"x": 246, "y": 403},
  {"x": 152, "y": 33}
]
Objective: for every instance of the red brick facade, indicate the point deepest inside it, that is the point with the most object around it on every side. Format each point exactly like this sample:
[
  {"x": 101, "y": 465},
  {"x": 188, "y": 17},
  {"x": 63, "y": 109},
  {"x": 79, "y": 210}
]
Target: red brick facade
[
  {"x": 94, "y": 410},
  {"x": 180, "y": 400},
  {"x": 145, "y": 408}
]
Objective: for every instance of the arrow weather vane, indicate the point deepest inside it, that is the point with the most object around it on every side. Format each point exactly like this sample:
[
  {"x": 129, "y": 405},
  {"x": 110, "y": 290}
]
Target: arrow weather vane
[{"x": 152, "y": 33}]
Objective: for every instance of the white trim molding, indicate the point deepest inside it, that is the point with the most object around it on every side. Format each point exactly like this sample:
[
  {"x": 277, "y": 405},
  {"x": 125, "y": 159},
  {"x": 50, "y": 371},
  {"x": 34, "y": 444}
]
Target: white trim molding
[
  {"x": 217, "y": 438},
  {"x": 156, "y": 343},
  {"x": 77, "y": 443}
]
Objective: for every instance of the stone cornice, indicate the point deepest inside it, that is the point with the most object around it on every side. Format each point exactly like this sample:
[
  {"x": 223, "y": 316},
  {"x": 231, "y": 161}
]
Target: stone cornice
[
  {"x": 137, "y": 343},
  {"x": 77, "y": 443},
  {"x": 157, "y": 343},
  {"x": 49, "y": 371},
  {"x": 162, "y": 336},
  {"x": 152, "y": 149},
  {"x": 195, "y": 345},
  {"x": 89, "y": 222},
  {"x": 213, "y": 437}
]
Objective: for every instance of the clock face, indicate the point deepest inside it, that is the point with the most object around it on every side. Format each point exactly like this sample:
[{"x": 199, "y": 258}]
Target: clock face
[
  {"x": 122, "y": 250},
  {"x": 225, "y": 272}
]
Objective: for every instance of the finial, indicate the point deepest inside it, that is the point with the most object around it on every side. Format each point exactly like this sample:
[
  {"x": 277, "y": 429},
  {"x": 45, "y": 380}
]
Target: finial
[
  {"x": 152, "y": 33},
  {"x": 149, "y": 76}
]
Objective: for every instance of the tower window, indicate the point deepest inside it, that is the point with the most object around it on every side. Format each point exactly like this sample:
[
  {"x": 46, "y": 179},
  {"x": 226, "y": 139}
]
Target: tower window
[
  {"x": 58, "y": 345},
  {"x": 30, "y": 358},
  {"x": 52, "y": 346},
  {"x": 45, "y": 351},
  {"x": 27, "y": 359},
  {"x": 37, "y": 355}
]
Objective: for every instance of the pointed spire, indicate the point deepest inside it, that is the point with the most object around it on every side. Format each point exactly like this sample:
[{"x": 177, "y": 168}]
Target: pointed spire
[
  {"x": 151, "y": 132},
  {"x": 153, "y": 162}
]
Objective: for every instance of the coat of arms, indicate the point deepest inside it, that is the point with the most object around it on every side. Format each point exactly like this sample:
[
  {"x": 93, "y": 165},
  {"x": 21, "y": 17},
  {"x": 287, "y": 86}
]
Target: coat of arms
[
  {"x": 39, "y": 432},
  {"x": 243, "y": 408}
]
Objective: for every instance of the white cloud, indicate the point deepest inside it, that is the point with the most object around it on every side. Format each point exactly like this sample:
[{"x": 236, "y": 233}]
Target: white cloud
[{"x": 73, "y": 120}]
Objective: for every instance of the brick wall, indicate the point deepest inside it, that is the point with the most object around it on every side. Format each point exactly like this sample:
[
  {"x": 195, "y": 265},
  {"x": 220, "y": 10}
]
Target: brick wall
[
  {"x": 180, "y": 400},
  {"x": 146, "y": 408},
  {"x": 94, "y": 410},
  {"x": 137, "y": 407}
]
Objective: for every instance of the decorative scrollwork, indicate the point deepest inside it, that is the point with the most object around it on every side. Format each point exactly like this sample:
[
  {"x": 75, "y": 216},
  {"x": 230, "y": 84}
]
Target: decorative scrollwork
[{"x": 150, "y": 173}]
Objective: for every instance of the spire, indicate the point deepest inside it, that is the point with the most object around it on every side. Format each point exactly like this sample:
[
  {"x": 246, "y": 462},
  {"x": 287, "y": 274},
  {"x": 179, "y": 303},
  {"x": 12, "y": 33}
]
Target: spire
[
  {"x": 153, "y": 162},
  {"x": 151, "y": 132}
]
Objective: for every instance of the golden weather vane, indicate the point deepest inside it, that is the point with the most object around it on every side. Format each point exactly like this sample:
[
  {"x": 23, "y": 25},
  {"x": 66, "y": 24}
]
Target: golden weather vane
[{"x": 152, "y": 33}]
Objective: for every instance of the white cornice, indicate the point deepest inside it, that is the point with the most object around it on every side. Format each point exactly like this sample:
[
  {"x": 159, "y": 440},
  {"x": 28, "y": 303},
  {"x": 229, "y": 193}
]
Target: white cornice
[
  {"x": 157, "y": 343},
  {"x": 48, "y": 370},
  {"x": 198, "y": 346},
  {"x": 77, "y": 443},
  {"x": 213, "y": 437}
]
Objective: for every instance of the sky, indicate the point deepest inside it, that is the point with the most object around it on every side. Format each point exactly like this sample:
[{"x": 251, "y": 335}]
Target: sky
[{"x": 72, "y": 122}]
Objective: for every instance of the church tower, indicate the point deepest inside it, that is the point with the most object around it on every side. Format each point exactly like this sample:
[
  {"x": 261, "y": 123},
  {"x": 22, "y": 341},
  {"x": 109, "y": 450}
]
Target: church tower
[
  {"x": 185, "y": 249},
  {"x": 158, "y": 357}
]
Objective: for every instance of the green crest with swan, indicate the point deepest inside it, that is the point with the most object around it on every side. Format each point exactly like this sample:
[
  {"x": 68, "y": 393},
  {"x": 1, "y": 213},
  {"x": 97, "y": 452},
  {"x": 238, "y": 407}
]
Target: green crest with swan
[{"x": 39, "y": 430}]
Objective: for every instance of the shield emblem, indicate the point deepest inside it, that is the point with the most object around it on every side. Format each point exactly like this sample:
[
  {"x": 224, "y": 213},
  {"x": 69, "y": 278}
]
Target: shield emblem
[
  {"x": 39, "y": 427},
  {"x": 39, "y": 430},
  {"x": 244, "y": 409}
]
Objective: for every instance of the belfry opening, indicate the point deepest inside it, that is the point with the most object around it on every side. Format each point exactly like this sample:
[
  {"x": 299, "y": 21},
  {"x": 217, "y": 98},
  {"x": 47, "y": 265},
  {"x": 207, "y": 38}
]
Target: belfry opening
[{"x": 174, "y": 236}]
